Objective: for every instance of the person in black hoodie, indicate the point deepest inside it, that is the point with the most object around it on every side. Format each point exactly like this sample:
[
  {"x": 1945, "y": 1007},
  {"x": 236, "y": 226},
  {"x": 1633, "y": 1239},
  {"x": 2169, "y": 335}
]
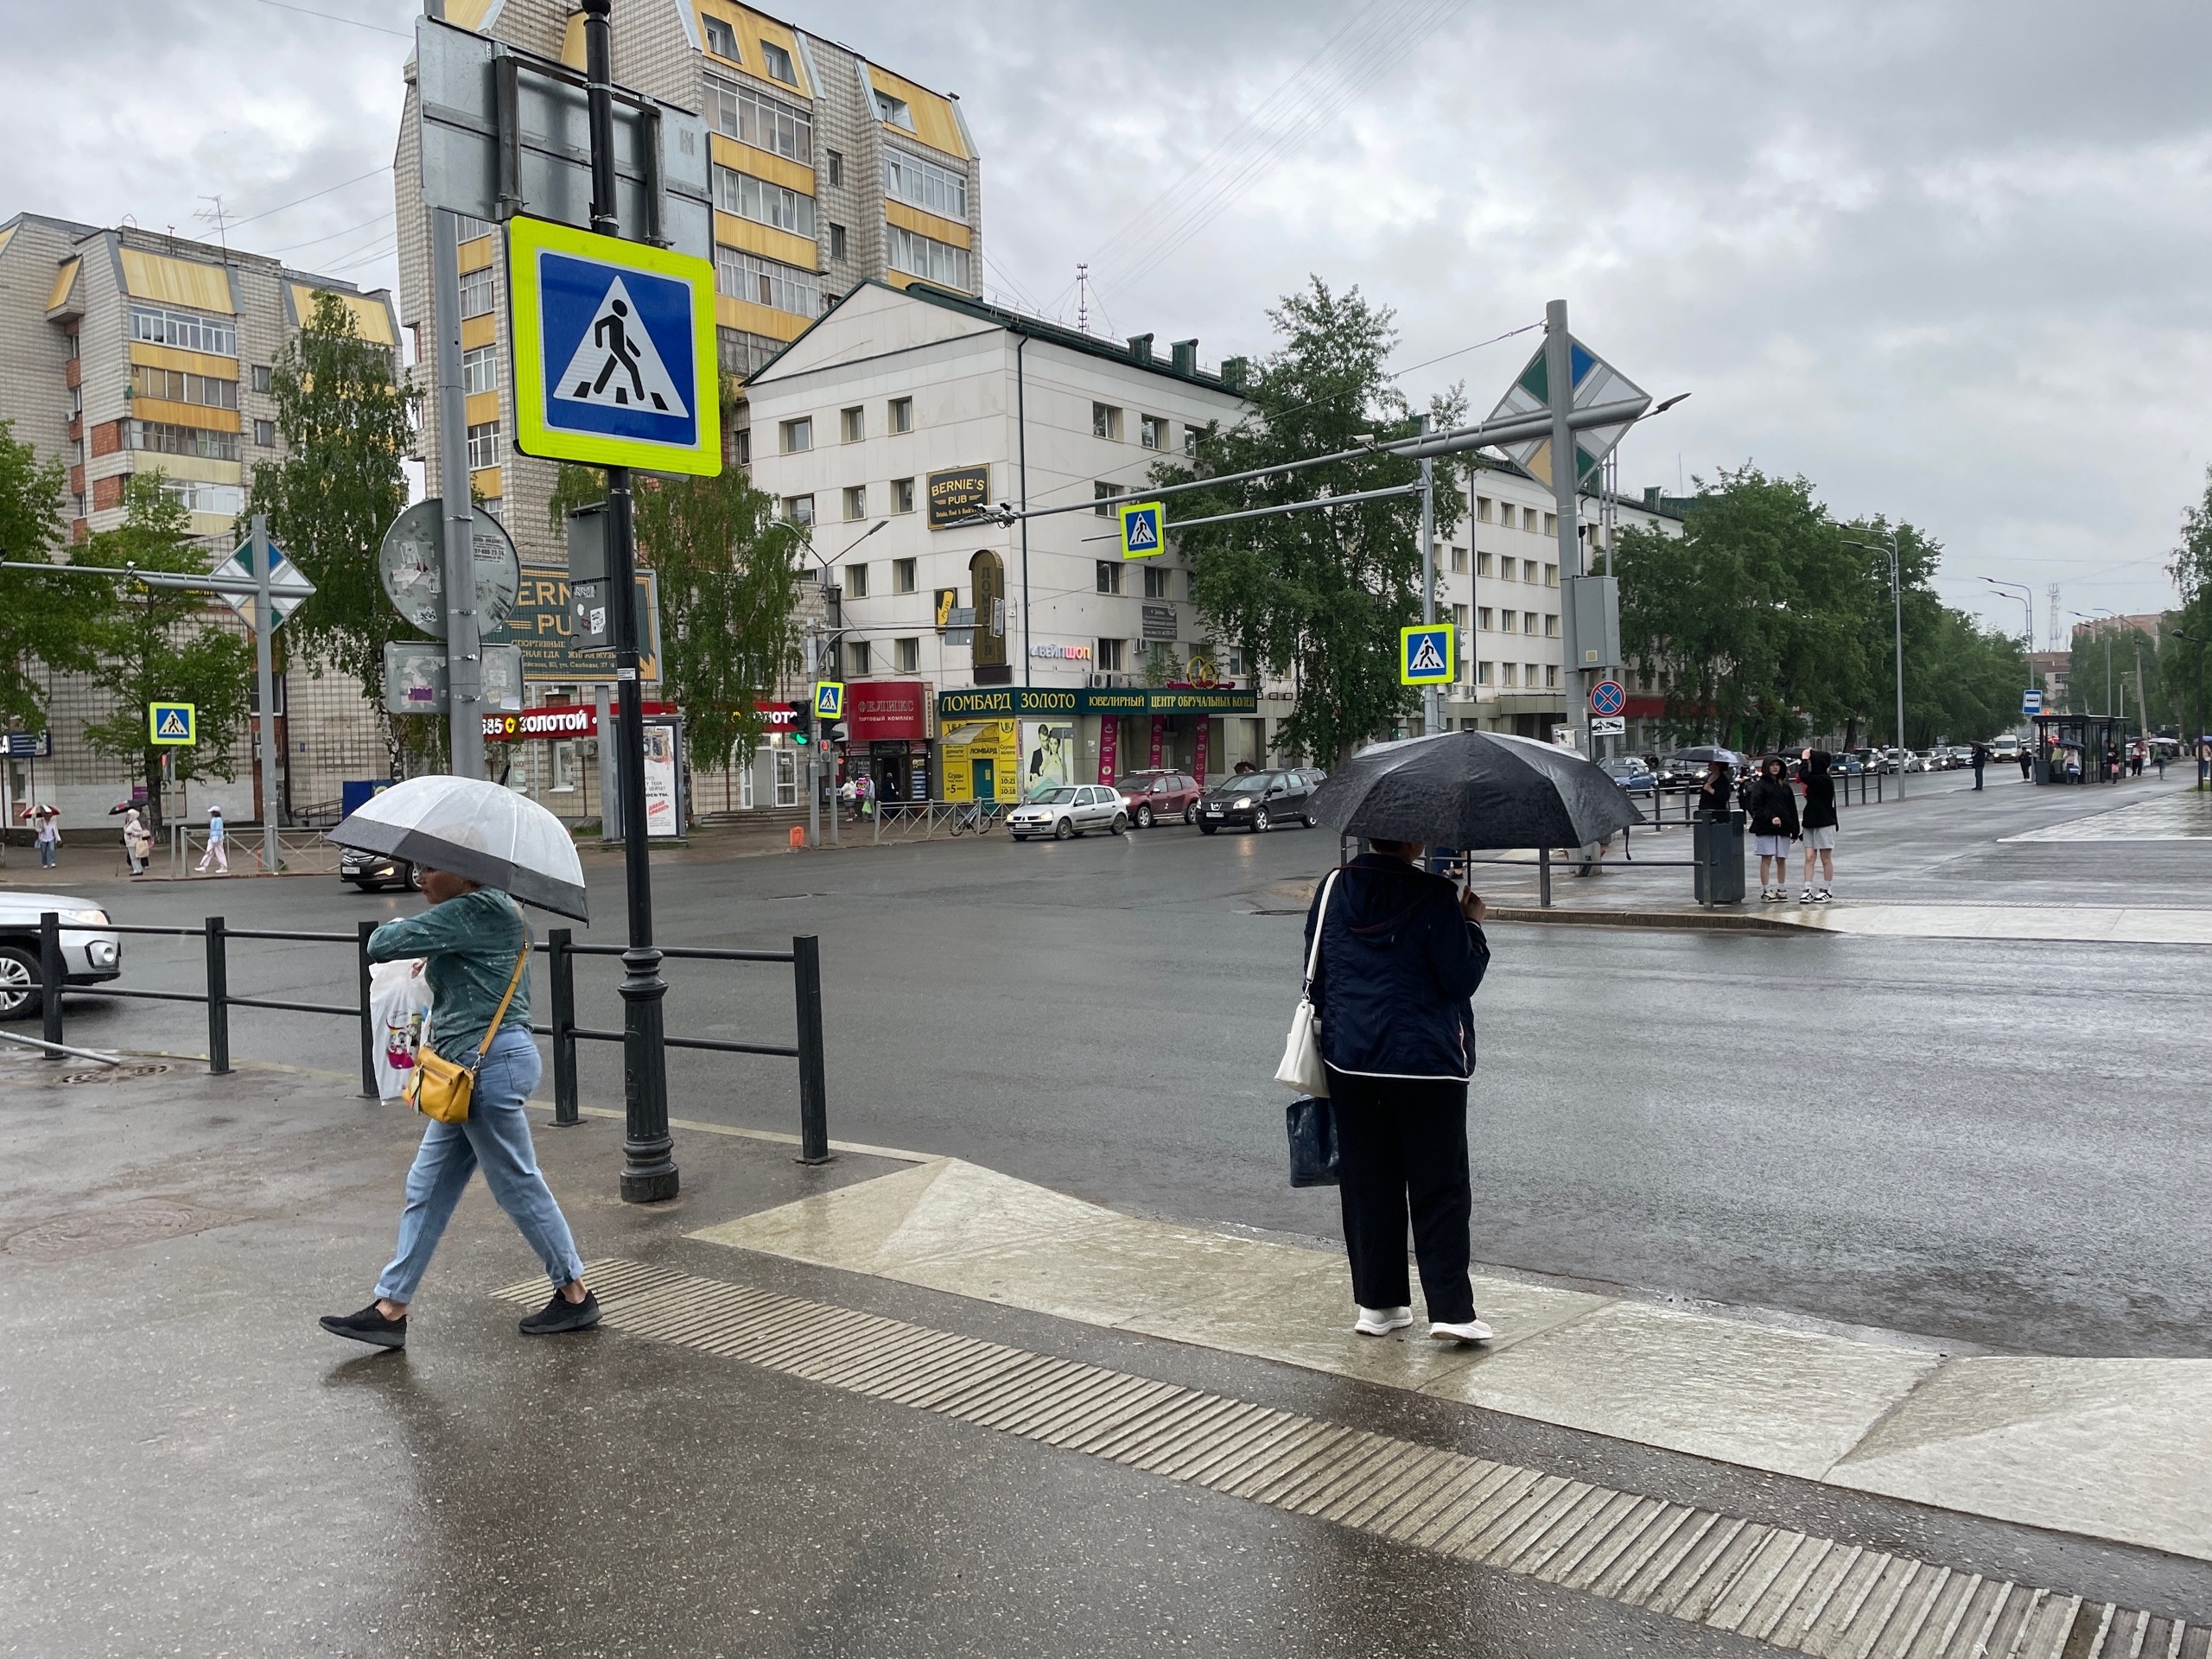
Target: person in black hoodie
[
  {"x": 1771, "y": 809},
  {"x": 1820, "y": 822},
  {"x": 1401, "y": 953},
  {"x": 1716, "y": 789}
]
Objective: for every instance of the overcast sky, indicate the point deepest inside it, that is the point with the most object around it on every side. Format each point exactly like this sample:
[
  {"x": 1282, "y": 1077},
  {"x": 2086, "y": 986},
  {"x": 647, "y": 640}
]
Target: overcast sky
[{"x": 1946, "y": 261}]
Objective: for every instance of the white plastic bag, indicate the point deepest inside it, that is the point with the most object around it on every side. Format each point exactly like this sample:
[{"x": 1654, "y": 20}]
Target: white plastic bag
[
  {"x": 1302, "y": 1068},
  {"x": 399, "y": 1001}
]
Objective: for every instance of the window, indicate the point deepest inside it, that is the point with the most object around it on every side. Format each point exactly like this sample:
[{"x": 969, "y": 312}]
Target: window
[
  {"x": 1551, "y": 576},
  {"x": 852, "y": 424},
  {"x": 1104, "y": 494},
  {"x": 264, "y": 434},
  {"x": 1528, "y": 518},
  {"x": 1483, "y": 619},
  {"x": 1460, "y": 618},
  {"x": 799, "y": 510},
  {"x": 834, "y": 160},
  {"x": 1106, "y": 421},
  {"x": 721, "y": 39},
  {"x": 1109, "y": 655},
  {"x": 798, "y": 436},
  {"x": 1507, "y": 620},
  {"x": 1458, "y": 561},
  {"x": 756, "y": 118},
  {"x": 893, "y": 111},
  {"x": 497, "y": 506},
  {"x": 1482, "y": 509},
  {"x": 1159, "y": 584},
  {"x": 1511, "y": 674},
  {"x": 836, "y": 241},
  {"x": 484, "y": 445},
  {"x": 1191, "y": 441},
  {"x": 1482, "y": 563},
  {"x": 762, "y": 202},
  {"x": 264, "y": 378},
  {"x": 480, "y": 369},
  {"x": 194, "y": 334},
  {"x": 1151, "y": 431},
  {"x": 1551, "y": 524},
  {"x": 194, "y": 496},
  {"x": 903, "y": 576},
  {"x": 856, "y": 662},
  {"x": 476, "y": 292},
  {"x": 1109, "y": 577},
  {"x": 468, "y": 227},
  {"x": 909, "y": 655},
  {"x": 1484, "y": 672},
  {"x": 766, "y": 282},
  {"x": 177, "y": 387},
  {"x": 743, "y": 353},
  {"x": 927, "y": 258},
  {"x": 741, "y": 446},
  {"x": 1508, "y": 569},
  {"x": 161, "y": 438},
  {"x": 902, "y": 495},
  {"x": 901, "y": 412},
  {"x": 925, "y": 185},
  {"x": 780, "y": 63},
  {"x": 1527, "y": 622},
  {"x": 1551, "y": 627},
  {"x": 1551, "y": 675},
  {"x": 856, "y": 502},
  {"x": 856, "y": 581}
]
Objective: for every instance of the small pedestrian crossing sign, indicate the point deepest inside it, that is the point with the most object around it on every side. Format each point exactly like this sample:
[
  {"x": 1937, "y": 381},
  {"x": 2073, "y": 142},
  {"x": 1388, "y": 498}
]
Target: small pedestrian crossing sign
[
  {"x": 1143, "y": 530},
  {"x": 172, "y": 725},
  {"x": 1427, "y": 655},
  {"x": 615, "y": 351},
  {"x": 829, "y": 699}
]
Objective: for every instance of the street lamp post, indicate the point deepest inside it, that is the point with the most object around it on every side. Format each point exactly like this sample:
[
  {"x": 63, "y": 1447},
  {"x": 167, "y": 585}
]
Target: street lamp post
[
  {"x": 822, "y": 649},
  {"x": 2026, "y": 595},
  {"x": 2197, "y": 742},
  {"x": 1896, "y": 606}
]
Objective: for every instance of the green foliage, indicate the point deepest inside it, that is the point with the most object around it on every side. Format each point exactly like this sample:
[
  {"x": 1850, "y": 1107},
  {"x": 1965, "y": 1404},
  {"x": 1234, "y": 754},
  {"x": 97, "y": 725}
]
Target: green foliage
[
  {"x": 43, "y": 619},
  {"x": 345, "y": 420},
  {"x": 1318, "y": 596},
  {"x": 155, "y": 645},
  {"x": 728, "y": 576}
]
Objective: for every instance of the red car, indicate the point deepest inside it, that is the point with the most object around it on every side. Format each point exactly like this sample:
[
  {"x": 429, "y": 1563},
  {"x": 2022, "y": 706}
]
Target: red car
[{"x": 1155, "y": 796}]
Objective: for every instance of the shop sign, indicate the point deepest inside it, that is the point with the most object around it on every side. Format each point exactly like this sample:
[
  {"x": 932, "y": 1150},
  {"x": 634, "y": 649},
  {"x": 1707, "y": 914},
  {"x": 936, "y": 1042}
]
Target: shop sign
[
  {"x": 1110, "y": 750},
  {"x": 957, "y": 495},
  {"x": 778, "y": 716},
  {"x": 559, "y": 721},
  {"x": 1159, "y": 621},
  {"x": 543, "y": 623},
  {"x": 882, "y": 710},
  {"x": 1057, "y": 652},
  {"x": 1029, "y": 701}
]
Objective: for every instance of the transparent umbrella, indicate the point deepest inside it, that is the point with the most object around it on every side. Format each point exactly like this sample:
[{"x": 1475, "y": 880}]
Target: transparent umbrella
[{"x": 484, "y": 831}]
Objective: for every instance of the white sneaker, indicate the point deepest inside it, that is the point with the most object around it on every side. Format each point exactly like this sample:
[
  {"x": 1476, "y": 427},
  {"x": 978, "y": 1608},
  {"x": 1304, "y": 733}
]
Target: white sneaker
[
  {"x": 1806, "y": 897},
  {"x": 1472, "y": 1331},
  {"x": 1823, "y": 897},
  {"x": 1382, "y": 1321}
]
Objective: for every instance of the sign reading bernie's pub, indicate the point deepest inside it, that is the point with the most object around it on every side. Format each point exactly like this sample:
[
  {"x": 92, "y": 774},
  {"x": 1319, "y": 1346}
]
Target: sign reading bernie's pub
[{"x": 958, "y": 494}]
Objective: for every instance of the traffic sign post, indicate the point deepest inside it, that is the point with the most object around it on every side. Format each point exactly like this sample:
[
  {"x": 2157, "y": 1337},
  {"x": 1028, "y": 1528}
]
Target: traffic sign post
[
  {"x": 1607, "y": 726},
  {"x": 172, "y": 725},
  {"x": 1427, "y": 655},
  {"x": 829, "y": 700},
  {"x": 1144, "y": 533},
  {"x": 2030, "y": 704},
  {"x": 1608, "y": 697}
]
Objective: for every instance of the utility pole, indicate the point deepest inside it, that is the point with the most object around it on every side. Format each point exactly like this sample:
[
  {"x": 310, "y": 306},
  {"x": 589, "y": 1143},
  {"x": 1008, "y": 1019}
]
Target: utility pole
[
  {"x": 1431, "y": 715},
  {"x": 264, "y": 676},
  {"x": 464, "y": 649},
  {"x": 1896, "y": 613},
  {"x": 1559, "y": 384},
  {"x": 813, "y": 737},
  {"x": 649, "y": 1172}
]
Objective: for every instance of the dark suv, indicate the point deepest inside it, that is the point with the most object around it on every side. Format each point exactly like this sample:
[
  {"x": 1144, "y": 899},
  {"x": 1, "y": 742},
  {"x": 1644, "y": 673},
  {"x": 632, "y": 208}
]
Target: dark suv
[
  {"x": 373, "y": 872},
  {"x": 1259, "y": 800}
]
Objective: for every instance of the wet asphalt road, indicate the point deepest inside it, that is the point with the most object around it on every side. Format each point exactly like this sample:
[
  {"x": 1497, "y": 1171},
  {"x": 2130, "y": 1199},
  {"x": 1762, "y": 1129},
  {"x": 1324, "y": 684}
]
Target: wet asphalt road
[{"x": 1998, "y": 1144}]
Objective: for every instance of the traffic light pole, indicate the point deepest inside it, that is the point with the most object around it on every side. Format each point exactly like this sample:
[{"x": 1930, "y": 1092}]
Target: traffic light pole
[
  {"x": 1559, "y": 382},
  {"x": 649, "y": 1172},
  {"x": 265, "y": 679}
]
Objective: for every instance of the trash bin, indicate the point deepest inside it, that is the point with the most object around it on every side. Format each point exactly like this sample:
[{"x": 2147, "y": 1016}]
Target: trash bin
[{"x": 1718, "y": 846}]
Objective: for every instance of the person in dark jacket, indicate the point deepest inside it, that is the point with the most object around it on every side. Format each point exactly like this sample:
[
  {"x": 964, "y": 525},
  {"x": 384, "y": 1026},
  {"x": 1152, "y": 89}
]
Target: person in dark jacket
[
  {"x": 1771, "y": 809},
  {"x": 1716, "y": 790},
  {"x": 1401, "y": 953},
  {"x": 1819, "y": 825},
  {"x": 1980, "y": 758}
]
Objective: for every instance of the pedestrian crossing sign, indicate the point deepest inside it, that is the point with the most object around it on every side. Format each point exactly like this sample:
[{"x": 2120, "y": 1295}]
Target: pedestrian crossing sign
[
  {"x": 1143, "y": 530},
  {"x": 615, "y": 351},
  {"x": 829, "y": 699},
  {"x": 172, "y": 725},
  {"x": 1427, "y": 655}
]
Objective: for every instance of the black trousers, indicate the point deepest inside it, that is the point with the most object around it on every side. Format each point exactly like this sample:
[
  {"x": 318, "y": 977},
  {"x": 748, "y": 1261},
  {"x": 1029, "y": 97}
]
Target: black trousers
[{"x": 1401, "y": 1148}]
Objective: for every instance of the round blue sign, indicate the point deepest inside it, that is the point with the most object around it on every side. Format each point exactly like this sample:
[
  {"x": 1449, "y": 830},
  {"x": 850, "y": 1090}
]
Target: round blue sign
[{"x": 1608, "y": 697}]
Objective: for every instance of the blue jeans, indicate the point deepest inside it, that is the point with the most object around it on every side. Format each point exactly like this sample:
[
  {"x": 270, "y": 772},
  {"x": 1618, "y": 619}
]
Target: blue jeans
[
  {"x": 497, "y": 1136},
  {"x": 46, "y": 853}
]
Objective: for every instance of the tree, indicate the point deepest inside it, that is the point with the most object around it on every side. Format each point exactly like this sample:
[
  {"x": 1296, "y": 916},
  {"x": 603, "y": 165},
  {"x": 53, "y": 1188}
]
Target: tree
[
  {"x": 155, "y": 645},
  {"x": 728, "y": 578},
  {"x": 44, "y": 621},
  {"x": 1319, "y": 595},
  {"x": 345, "y": 421}
]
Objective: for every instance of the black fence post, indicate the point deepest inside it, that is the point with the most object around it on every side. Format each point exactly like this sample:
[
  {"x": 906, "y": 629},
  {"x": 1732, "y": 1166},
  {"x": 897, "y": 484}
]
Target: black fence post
[
  {"x": 561, "y": 966},
  {"x": 370, "y": 1035},
  {"x": 813, "y": 1081},
  {"x": 219, "y": 1002},
  {"x": 51, "y": 972},
  {"x": 1544, "y": 877}
]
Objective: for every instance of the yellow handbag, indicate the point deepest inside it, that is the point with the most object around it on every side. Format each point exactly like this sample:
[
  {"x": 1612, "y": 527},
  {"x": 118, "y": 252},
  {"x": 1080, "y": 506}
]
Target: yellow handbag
[{"x": 440, "y": 1088}]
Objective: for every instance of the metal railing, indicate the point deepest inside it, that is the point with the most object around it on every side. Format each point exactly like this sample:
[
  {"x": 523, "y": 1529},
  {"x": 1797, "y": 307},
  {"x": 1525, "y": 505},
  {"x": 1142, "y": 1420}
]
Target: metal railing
[
  {"x": 560, "y": 951},
  {"x": 303, "y": 851},
  {"x": 898, "y": 821}
]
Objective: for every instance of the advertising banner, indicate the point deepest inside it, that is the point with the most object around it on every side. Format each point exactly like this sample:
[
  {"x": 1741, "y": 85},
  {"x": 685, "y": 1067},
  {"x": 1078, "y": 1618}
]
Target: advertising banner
[
  {"x": 1048, "y": 755},
  {"x": 1159, "y": 738},
  {"x": 663, "y": 814},
  {"x": 1110, "y": 747},
  {"x": 982, "y": 762},
  {"x": 957, "y": 493},
  {"x": 1198, "y": 762}
]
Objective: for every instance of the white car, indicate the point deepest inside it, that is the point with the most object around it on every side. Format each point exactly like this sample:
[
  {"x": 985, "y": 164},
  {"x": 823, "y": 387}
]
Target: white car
[
  {"x": 1068, "y": 811},
  {"x": 89, "y": 952}
]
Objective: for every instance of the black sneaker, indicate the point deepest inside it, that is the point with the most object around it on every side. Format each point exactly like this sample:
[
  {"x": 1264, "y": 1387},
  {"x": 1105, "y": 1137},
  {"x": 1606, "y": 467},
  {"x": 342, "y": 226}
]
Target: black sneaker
[
  {"x": 368, "y": 1325},
  {"x": 561, "y": 1314}
]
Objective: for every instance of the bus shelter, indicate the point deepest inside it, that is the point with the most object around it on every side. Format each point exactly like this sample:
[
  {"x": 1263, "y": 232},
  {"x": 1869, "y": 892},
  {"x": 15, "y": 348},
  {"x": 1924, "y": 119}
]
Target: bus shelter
[{"x": 2081, "y": 748}]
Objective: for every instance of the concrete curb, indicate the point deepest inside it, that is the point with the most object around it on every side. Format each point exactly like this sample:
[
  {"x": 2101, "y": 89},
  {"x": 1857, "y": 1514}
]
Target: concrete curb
[{"x": 1710, "y": 921}]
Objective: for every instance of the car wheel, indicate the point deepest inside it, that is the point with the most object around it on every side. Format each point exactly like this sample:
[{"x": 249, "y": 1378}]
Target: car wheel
[
  {"x": 1119, "y": 824},
  {"x": 1190, "y": 813},
  {"x": 19, "y": 982},
  {"x": 1018, "y": 837},
  {"x": 413, "y": 881},
  {"x": 1260, "y": 821},
  {"x": 1209, "y": 829},
  {"x": 1063, "y": 829},
  {"x": 1308, "y": 820},
  {"x": 1144, "y": 816}
]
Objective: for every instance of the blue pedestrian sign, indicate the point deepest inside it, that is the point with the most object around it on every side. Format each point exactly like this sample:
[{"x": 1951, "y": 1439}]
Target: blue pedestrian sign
[
  {"x": 172, "y": 725},
  {"x": 1427, "y": 655},
  {"x": 615, "y": 351},
  {"x": 2031, "y": 703},
  {"x": 1142, "y": 529},
  {"x": 1608, "y": 697},
  {"x": 829, "y": 699}
]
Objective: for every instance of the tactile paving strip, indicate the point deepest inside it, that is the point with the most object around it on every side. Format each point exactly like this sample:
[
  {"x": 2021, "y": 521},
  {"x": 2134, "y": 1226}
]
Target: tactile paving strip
[{"x": 1786, "y": 1589}]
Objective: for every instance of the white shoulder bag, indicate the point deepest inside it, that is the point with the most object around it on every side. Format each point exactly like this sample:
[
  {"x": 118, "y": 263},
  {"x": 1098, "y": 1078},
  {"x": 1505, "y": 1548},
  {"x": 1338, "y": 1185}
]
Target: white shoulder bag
[{"x": 1302, "y": 1068}]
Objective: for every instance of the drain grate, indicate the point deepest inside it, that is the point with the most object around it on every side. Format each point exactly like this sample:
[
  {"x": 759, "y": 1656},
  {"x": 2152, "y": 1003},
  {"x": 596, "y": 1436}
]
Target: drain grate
[
  {"x": 1786, "y": 1589},
  {"x": 144, "y": 1221},
  {"x": 115, "y": 1073}
]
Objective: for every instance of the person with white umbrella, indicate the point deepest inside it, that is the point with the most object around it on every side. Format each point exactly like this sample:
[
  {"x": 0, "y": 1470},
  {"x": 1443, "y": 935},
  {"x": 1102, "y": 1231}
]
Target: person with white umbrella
[{"x": 472, "y": 842}]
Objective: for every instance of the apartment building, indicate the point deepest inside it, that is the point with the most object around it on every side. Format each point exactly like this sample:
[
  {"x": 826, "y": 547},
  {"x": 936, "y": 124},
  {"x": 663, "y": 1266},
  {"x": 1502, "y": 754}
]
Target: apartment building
[{"x": 827, "y": 169}]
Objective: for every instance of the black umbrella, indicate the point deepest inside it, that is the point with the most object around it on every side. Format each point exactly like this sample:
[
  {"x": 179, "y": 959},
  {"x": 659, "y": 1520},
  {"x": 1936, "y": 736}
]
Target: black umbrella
[{"x": 1474, "y": 792}]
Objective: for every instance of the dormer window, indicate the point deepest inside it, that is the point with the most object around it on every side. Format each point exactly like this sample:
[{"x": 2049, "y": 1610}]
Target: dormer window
[
  {"x": 779, "y": 64},
  {"x": 721, "y": 39},
  {"x": 894, "y": 111}
]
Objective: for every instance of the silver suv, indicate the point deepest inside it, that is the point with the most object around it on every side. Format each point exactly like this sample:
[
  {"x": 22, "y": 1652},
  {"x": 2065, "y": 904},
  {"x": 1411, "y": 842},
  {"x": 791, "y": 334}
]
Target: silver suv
[{"x": 89, "y": 952}]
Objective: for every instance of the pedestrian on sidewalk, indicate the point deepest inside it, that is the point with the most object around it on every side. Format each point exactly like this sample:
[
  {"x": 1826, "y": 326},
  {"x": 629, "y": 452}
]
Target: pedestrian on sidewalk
[
  {"x": 49, "y": 836},
  {"x": 475, "y": 945},
  {"x": 1771, "y": 807},
  {"x": 1715, "y": 790},
  {"x": 2027, "y": 763},
  {"x": 217, "y": 851},
  {"x": 1819, "y": 825},
  {"x": 1402, "y": 952},
  {"x": 137, "y": 843},
  {"x": 1980, "y": 760}
]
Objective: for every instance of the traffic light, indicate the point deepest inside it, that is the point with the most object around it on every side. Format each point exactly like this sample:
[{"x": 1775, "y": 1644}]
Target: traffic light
[
  {"x": 801, "y": 736},
  {"x": 838, "y": 733}
]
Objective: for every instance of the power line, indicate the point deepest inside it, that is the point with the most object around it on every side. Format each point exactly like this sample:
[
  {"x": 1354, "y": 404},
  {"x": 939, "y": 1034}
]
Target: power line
[
  {"x": 332, "y": 237},
  {"x": 267, "y": 212},
  {"x": 333, "y": 17}
]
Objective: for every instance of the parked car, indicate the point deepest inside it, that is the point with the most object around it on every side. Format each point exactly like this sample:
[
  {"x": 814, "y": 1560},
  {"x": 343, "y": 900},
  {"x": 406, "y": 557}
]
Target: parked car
[
  {"x": 1917, "y": 762},
  {"x": 1259, "y": 801},
  {"x": 2006, "y": 746},
  {"x": 90, "y": 952},
  {"x": 374, "y": 872},
  {"x": 1631, "y": 773},
  {"x": 1071, "y": 810},
  {"x": 1156, "y": 794}
]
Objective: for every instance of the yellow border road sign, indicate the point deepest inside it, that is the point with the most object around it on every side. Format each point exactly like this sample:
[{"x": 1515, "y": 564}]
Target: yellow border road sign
[
  {"x": 829, "y": 699},
  {"x": 1144, "y": 530},
  {"x": 1427, "y": 654},
  {"x": 614, "y": 357},
  {"x": 172, "y": 725}
]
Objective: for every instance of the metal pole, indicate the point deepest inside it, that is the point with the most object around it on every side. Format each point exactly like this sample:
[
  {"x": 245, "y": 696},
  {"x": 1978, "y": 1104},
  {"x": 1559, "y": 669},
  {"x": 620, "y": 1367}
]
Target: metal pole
[
  {"x": 561, "y": 970},
  {"x": 219, "y": 1004},
  {"x": 813, "y": 1083},
  {"x": 1559, "y": 382},
  {"x": 813, "y": 740},
  {"x": 1432, "y": 699},
  {"x": 1897, "y": 600},
  {"x": 370, "y": 1035},
  {"x": 51, "y": 973},
  {"x": 649, "y": 1172},
  {"x": 464, "y": 651},
  {"x": 264, "y": 676}
]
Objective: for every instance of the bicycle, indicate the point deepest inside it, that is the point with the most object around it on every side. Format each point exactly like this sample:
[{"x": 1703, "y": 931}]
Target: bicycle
[{"x": 978, "y": 817}]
